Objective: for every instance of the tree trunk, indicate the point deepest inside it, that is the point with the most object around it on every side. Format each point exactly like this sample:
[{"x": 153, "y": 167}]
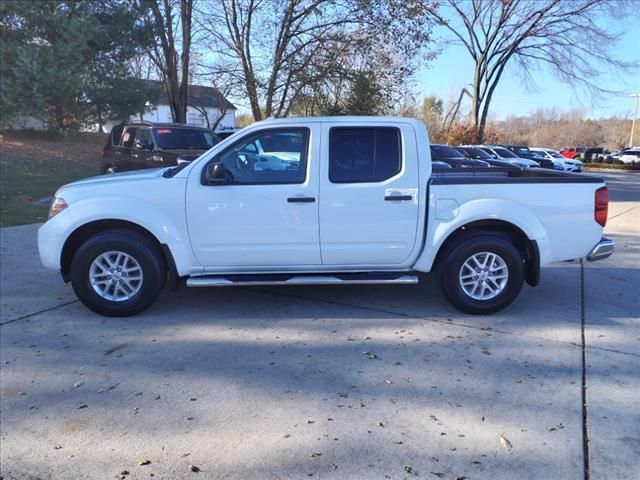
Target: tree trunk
[{"x": 59, "y": 117}]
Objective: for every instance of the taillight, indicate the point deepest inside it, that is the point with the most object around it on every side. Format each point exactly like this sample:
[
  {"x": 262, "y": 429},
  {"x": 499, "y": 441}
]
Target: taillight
[{"x": 602, "y": 206}]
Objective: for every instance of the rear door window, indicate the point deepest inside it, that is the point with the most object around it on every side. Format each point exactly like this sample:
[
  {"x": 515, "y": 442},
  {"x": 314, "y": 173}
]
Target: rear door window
[{"x": 364, "y": 155}]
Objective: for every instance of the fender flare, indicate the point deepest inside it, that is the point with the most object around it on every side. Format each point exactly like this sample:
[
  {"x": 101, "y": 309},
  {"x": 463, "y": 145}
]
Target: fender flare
[
  {"x": 154, "y": 221},
  {"x": 497, "y": 209}
]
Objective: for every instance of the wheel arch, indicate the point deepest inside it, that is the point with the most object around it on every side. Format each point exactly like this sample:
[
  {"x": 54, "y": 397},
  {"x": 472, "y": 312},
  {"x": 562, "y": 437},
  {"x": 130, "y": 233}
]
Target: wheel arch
[
  {"x": 528, "y": 248},
  {"x": 87, "y": 230}
]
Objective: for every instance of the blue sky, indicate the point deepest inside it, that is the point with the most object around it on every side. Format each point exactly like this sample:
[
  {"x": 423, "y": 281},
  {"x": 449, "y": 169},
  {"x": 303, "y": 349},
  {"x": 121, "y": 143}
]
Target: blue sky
[{"x": 453, "y": 69}]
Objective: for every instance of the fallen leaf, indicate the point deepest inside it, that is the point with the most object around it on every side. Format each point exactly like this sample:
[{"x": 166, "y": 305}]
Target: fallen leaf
[
  {"x": 315, "y": 455},
  {"x": 380, "y": 424},
  {"x": 410, "y": 470},
  {"x": 107, "y": 388},
  {"x": 505, "y": 443},
  {"x": 387, "y": 381},
  {"x": 438, "y": 474},
  {"x": 80, "y": 405},
  {"x": 57, "y": 447},
  {"x": 124, "y": 473},
  {"x": 518, "y": 380},
  {"x": 193, "y": 468},
  {"x": 79, "y": 383},
  {"x": 144, "y": 461}
]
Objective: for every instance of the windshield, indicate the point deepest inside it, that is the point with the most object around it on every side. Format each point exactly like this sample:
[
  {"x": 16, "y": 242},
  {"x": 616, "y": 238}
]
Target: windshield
[
  {"x": 184, "y": 139},
  {"x": 488, "y": 151},
  {"x": 521, "y": 150},
  {"x": 554, "y": 154},
  {"x": 478, "y": 153},
  {"x": 504, "y": 153},
  {"x": 444, "y": 151}
]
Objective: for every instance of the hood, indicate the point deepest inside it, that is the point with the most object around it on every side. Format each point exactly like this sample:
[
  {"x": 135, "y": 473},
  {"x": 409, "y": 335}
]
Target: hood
[{"x": 114, "y": 179}]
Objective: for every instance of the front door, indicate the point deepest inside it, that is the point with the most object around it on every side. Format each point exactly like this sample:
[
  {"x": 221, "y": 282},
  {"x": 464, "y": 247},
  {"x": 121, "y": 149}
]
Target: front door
[
  {"x": 369, "y": 202},
  {"x": 266, "y": 214}
]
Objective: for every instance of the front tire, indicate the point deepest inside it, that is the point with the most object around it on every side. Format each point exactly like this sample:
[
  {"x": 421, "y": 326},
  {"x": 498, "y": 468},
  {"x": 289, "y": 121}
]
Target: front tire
[
  {"x": 118, "y": 273},
  {"x": 481, "y": 273}
]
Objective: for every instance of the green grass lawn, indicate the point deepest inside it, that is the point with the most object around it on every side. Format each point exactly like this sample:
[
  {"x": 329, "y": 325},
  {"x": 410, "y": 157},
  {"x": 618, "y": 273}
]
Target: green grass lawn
[{"x": 22, "y": 184}]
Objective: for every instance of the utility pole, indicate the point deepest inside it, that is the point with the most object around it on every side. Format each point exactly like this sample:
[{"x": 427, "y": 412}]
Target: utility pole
[{"x": 633, "y": 123}]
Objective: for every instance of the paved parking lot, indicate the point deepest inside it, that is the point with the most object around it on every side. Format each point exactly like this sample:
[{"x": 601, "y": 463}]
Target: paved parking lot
[{"x": 326, "y": 382}]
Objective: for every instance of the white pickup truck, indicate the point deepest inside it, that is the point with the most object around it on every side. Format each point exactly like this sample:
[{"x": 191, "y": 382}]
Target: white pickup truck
[{"x": 335, "y": 200}]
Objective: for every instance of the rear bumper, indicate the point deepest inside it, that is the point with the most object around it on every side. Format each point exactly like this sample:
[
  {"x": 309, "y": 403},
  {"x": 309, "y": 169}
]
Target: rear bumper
[{"x": 602, "y": 250}]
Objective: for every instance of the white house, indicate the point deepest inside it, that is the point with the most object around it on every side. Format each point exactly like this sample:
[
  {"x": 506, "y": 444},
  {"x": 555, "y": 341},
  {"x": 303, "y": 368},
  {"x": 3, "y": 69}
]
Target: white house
[{"x": 206, "y": 105}]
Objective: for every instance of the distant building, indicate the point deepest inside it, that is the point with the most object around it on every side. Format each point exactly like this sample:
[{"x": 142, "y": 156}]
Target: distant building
[{"x": 206, "y": 105}]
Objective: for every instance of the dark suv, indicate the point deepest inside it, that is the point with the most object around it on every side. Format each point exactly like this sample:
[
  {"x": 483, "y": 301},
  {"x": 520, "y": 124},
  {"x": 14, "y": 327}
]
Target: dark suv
[{"x": 132, "y": 146}]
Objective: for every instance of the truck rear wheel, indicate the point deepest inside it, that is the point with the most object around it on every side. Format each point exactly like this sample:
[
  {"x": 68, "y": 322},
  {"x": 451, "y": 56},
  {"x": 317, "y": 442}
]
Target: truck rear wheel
[
  {"x": 118, "y": 273},
  {"x": 481, "y": 273}
]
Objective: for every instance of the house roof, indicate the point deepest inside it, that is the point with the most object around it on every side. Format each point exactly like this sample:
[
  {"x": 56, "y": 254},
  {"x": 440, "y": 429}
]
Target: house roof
[{"x": 197, "y": 96}]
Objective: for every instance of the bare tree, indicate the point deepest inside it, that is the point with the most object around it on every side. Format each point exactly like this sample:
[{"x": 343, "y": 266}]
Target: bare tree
[
  {"x": 173, "y": 34},
  {"x": 283, "y": 49},
  {"x": 560, "y": 34}
]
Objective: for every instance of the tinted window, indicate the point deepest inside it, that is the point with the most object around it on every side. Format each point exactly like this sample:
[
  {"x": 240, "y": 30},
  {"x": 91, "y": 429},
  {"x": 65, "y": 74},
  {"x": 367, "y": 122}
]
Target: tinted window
[
  {"x": 171, "y": 138},
  {"x": 269, "y": 156},
  {"x": 444, "y": 151},
  {"x": 504, "y": 153},
  {"x": 143, "y": 134},
  {"x": 488, "y": 151},
  {"x": 362, "y": 155},
  {"x": 478, "y": 153},
  {"x": 521, "y": 150}
]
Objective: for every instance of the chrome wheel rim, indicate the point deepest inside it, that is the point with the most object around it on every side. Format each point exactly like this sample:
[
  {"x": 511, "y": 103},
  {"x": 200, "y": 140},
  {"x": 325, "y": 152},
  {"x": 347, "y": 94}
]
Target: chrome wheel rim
[
  {"x": 115, "y": 276},
  {"x": 483, "y": 276}
]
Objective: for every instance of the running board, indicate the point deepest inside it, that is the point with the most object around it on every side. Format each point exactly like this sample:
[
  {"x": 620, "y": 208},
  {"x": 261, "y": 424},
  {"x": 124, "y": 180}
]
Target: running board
[{"x": 312, "y": 279}]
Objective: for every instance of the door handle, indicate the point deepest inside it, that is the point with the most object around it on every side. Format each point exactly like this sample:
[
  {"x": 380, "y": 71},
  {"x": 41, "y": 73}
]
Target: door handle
[
  {"x": 301, "y": 199},
  {"x": 398, "y": 198}
]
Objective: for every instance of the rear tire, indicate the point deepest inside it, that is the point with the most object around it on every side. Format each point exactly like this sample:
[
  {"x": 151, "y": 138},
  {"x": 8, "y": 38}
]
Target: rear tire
[
  {"x": 481, "y": 273},
  {"x": 118, "y": 273}
]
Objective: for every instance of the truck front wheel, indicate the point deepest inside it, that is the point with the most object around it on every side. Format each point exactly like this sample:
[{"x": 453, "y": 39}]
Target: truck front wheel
[
  {"x": 118, "y": 273},
  {"x": 481, "y": 273}
]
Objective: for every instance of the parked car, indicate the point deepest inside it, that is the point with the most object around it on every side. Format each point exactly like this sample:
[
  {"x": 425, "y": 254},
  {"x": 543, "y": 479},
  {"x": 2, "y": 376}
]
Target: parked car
[
  {"x": 572, "y": 152},
  {"x": 525, "y": 152},
  {"x": 476, "y": 153},
  {"x": 447, "y": 154},
  {"x": 222, "y": 134},
  {"x": 505, "y": 155},
  {"x": 132, "y": 146},
  {"x": 359, "y": 204},
  {"x": 630, "y": 157},
  {"x": 566, "y": 164}
]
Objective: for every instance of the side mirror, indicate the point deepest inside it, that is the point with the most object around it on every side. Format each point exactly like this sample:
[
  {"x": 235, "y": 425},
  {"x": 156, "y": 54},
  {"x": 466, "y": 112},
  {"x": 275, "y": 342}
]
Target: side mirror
[
  {"x": 216, "y": 174},
  {"x": 143, "y": 144}
]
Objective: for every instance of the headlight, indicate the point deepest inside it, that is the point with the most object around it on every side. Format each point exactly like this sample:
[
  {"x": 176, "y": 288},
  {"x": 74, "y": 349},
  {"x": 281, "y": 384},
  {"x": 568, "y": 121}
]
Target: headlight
[{"x": 57, "y": 206}]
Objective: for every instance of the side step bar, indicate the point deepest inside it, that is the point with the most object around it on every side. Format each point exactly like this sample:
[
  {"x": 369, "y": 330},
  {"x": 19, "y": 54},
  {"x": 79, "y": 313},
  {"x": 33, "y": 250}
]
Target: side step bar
[{"x": 309, "y": 279}]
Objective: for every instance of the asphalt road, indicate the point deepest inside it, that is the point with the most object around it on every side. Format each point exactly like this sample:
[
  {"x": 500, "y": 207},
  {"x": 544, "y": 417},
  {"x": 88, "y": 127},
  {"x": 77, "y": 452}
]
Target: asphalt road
[{"x": 326, "y": 382}]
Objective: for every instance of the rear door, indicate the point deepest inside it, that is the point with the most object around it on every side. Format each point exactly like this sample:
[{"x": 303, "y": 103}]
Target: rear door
[
  {"x": 369, "y": 194},
  {"x": 141, "y": 158},
  {"x": 123, "y": 152}
]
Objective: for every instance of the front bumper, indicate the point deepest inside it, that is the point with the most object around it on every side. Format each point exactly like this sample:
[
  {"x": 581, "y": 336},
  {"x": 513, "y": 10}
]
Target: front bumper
[{"x": 602, "y": 250}]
